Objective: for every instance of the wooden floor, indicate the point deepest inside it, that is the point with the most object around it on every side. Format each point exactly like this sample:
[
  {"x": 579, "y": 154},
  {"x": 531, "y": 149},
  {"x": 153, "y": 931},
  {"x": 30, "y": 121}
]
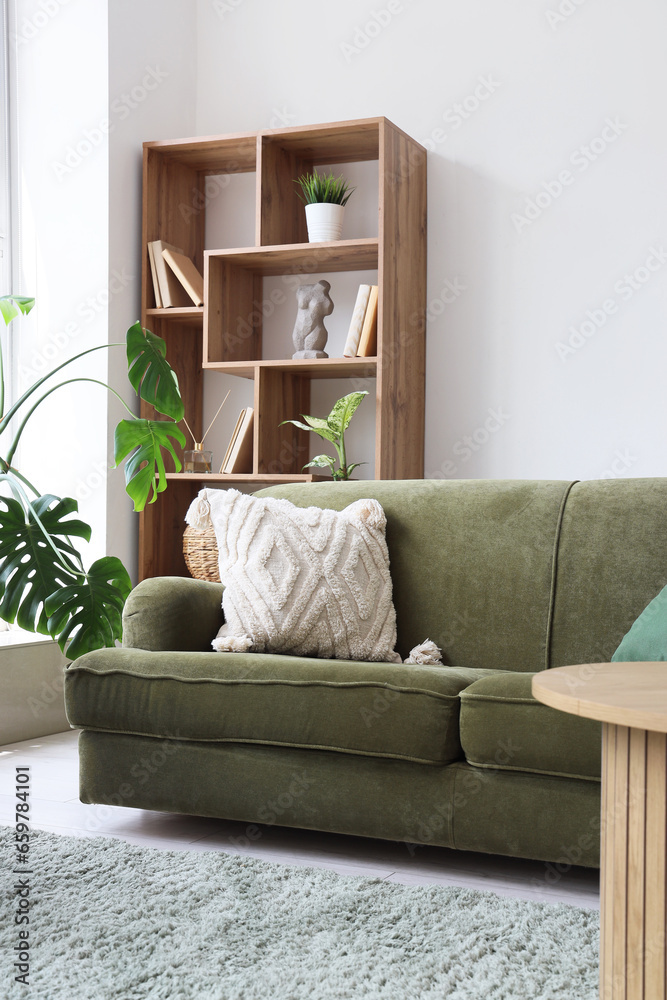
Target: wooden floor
[{"x": 55, "y": 806}]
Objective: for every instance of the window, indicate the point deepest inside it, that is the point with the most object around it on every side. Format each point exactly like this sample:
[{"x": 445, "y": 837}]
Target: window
[{"x": 5, "y": 172}]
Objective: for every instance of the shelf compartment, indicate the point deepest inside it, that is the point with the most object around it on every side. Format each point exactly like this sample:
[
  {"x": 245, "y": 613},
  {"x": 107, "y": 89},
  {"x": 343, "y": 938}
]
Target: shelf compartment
[
  {"x": 284, "y": 155},
  {"x": 281, "y": 218},
  {"x": 335, "y": 142},
  {"x": 233, "y": 289},
  {"x": 213, "y": 154},
  {"x": 315, "y": 368},
  {"x": 280, "y": 395}
]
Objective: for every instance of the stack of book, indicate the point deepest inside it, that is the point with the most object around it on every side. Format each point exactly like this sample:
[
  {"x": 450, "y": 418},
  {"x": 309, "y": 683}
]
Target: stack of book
[
  {"x": 176, "y": 280},
  {"x": 362, "y": 336},
  {"x": 238, "y": 457}
]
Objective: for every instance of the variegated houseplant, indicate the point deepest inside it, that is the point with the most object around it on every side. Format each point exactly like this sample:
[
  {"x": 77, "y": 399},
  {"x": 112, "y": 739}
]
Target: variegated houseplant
[{"x": 332, "y": 428}]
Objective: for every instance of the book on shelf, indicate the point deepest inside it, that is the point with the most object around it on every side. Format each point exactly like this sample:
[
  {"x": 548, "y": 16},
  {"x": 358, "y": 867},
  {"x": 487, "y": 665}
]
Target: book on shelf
[
  {"x": 369, "y": 333},
  {"x": 187, "y": 274},
  {"x": 357, "y": 322},
  {"x": 232, "y": 440},
  {"x": 156, "y": 283},
  {"x": 172, "y": 293},
  {"x": 238, "y": 457}
]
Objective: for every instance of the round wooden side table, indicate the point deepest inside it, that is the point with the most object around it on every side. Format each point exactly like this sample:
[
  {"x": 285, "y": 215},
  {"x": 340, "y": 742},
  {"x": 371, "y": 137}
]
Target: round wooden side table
[{"x": 630, "y": 699}]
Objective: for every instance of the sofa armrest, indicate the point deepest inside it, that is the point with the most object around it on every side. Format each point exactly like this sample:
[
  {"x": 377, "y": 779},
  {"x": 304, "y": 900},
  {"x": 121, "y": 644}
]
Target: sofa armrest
[{"x": 173, "y": 613}]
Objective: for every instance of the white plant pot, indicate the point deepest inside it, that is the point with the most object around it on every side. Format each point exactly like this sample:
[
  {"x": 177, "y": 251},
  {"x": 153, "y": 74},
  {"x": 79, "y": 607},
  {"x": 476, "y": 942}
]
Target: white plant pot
[{"x": 324, "y": 221}]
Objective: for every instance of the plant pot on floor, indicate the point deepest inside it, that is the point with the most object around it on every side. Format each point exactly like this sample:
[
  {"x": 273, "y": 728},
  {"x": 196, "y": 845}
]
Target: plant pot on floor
[{"x": 324, "y": 221}]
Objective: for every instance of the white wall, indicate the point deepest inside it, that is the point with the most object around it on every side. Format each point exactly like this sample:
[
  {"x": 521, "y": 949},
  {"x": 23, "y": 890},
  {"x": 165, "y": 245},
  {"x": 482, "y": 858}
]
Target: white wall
[
  {"x": 152, "y": 67},
  {"x": 521, "y": 381}
]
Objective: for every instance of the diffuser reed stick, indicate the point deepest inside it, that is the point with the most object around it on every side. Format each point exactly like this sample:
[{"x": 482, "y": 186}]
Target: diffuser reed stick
[
  {"x": 214, "y": 418},
  {"x": 199, "y": 444}
]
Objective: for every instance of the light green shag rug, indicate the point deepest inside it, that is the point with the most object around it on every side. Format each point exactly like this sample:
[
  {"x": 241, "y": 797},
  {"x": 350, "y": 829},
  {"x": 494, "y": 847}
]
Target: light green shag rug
[{"x": 109, "y": 921}]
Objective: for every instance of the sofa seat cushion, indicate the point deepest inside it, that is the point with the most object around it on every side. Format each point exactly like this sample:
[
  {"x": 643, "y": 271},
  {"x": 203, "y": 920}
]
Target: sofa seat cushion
[
  {"x": 503, "y": 726},
  {"x": 377, "y": 709}
]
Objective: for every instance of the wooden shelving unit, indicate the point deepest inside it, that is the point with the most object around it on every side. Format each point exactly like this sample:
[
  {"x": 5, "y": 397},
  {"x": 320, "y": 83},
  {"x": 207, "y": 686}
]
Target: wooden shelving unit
[{"x": 226, "y": 334}]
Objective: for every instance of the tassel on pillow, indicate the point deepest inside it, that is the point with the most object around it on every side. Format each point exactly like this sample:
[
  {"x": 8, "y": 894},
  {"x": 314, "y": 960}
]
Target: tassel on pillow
[
  {"x": 232, "y": 643},
  {"x": 368, "y": 512},
  {"x": 199, "y": 512},
  {"x": 425, "y": 653}
]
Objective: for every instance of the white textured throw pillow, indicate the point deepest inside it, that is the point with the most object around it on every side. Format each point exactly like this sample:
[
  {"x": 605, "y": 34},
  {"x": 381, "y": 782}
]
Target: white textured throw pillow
[{"x": 304, "y": 581}]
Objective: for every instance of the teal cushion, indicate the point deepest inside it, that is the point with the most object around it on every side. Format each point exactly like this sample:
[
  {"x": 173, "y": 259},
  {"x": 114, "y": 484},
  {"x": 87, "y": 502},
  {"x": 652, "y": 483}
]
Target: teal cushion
[{"x": 647, "y": 639}]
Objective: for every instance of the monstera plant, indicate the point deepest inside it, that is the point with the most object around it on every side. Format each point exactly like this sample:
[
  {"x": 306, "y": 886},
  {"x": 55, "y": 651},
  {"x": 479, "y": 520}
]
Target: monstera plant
[{"x": 44, "y": 586}]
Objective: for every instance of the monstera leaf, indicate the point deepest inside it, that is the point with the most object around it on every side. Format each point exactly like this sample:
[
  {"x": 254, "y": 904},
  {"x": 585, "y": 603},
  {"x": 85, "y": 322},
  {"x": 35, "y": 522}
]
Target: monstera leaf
[
  {"x": 145, "y": 439},
  {"x": 150, "y": 374},
  {"x": 32, "y": 567},
  {"x": 91, "y": 608}
]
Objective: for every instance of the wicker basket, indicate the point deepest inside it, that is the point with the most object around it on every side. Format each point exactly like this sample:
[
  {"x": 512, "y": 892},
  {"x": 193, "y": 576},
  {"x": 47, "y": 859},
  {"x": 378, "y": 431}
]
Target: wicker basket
[{"x": 200, "y": 550}]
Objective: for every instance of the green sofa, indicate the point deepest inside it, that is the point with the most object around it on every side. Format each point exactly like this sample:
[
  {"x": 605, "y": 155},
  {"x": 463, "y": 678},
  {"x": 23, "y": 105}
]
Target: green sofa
[{"x": 508, "y": 577}]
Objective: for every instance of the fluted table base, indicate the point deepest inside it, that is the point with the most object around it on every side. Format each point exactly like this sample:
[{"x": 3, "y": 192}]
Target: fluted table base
[{"x": 633, "y": 864}]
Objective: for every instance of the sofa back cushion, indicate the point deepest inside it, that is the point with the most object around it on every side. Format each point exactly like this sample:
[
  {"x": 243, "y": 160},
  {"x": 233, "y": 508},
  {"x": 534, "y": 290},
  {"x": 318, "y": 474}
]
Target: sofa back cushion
[
  {"x": 472, "y": 562},
  {"x": 612, "y": 562}
]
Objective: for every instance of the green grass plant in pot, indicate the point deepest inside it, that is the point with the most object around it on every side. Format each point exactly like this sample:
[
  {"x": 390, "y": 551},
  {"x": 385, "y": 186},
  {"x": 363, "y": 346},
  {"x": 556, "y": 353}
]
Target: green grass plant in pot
[
  {"x": 325, "y": 198},
  {"x": 332, "y": 428},
  {"x": 44, "y": 586}
]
